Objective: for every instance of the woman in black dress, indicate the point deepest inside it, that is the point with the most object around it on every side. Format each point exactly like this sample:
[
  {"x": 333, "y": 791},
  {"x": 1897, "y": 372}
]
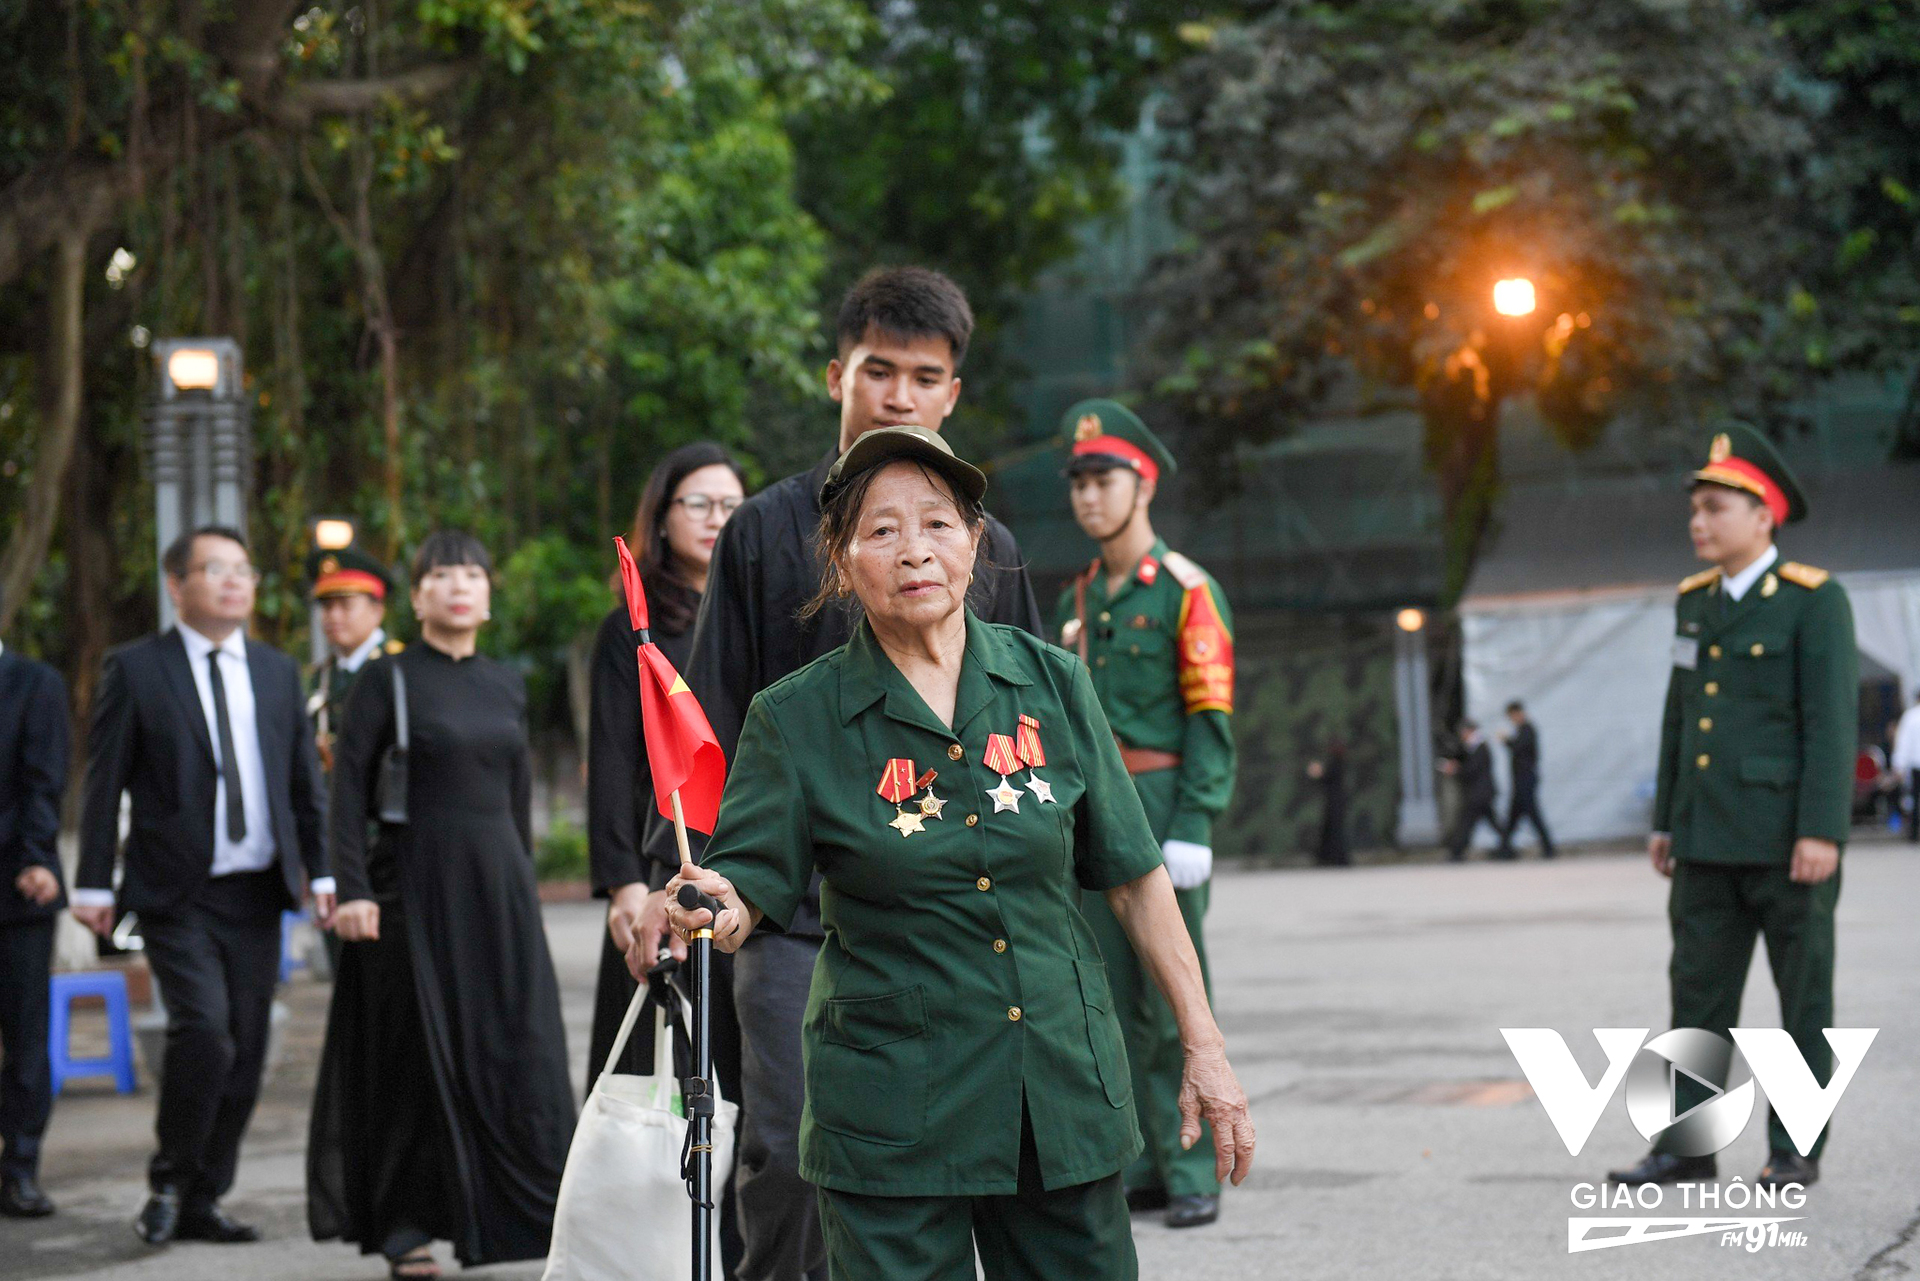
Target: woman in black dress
[
  {"x": 442, "y": 1110},
  {"x": 687, "y": 500}
]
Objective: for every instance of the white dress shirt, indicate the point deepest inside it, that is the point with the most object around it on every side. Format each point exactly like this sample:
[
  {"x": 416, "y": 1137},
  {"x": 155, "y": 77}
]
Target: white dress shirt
[
  {"x": 1906, "y": 742},
  {"x": 256, "y": 851},
  {"x": 368, "y": 648},
  {"x": 1738, "y": 584}
]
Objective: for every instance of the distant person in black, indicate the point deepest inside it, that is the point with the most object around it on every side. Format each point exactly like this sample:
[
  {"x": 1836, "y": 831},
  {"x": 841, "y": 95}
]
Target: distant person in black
[
  {"x": 33, "y": 777},
  {"x": 1331, "y": 774},
  {"x": 1473, "y": 766},
  {"x": 691, "y": 494},
  {"x": 442, "y": 1109},
  {"x": 901, "y": 335},
  {"x": 1523, "y": 750}
]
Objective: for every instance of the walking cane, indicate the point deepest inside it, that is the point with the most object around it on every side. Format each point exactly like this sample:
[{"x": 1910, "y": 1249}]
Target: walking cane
[{"x": 697, "y": 1090}]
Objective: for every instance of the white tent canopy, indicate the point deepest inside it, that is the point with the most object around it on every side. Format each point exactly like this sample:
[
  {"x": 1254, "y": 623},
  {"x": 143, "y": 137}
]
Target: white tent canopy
[{"x": 1549, "y": 621}]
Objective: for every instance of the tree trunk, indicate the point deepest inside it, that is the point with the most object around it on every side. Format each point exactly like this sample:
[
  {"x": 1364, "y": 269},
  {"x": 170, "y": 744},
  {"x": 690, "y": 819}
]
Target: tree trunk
[{"x": 59, "y": 422}]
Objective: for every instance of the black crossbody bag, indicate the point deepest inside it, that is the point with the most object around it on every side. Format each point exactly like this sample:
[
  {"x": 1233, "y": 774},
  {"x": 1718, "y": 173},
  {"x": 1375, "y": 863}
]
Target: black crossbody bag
[{"x": 391, "y": 794}]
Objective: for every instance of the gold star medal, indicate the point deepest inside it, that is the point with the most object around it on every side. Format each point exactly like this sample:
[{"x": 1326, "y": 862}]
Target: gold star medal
[
  {"x": 1027, "y": 747},
  {"x": 896, "y": 785},
  {"x": 1002, "y": 760}
]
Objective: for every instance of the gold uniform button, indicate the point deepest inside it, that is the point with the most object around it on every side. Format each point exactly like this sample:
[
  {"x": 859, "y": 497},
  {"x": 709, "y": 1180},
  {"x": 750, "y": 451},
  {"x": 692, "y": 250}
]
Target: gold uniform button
[
  {"x": 1758, "y": 649},
  {"x": 1134, "y": 650},
  {"x": 1706, "y": 722},
  {"x": 955, "y": 752},
  {"x": 1703, "y": 760},
  {"x": 1713, "y": 651},
  {"x": 972, "y": 819},
  {"x": 1713, "y": 687},
  {"x": 1105, "y": 617},
  {"x": 983, "y": 884},
  {"x": 999, "y": 945},
  {"x": 1100, "y": 661},
  {"x": 1013, "y": 1014}
]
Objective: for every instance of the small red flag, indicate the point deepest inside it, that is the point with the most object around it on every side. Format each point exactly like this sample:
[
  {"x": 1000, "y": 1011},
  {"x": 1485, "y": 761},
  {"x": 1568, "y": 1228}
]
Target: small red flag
[{"x": 681, "y": 749}]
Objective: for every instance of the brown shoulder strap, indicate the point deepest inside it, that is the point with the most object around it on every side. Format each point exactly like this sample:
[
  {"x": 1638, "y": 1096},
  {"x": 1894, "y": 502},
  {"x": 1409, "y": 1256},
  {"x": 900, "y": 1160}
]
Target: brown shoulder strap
[{"x": 1080, "y": 582}]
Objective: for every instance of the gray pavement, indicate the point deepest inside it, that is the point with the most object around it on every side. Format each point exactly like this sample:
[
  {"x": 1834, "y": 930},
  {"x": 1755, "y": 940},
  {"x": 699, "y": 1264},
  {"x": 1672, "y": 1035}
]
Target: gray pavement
[{"x": 1362, "y": 1008}]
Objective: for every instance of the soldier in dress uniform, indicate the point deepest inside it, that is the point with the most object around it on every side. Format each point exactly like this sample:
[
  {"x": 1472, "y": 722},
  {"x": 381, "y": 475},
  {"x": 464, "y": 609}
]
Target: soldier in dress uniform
[
  {"x": 1155, "y": 630},
  {"x": 1755, "y": 785},
  {"x": 351, "y": 589}
]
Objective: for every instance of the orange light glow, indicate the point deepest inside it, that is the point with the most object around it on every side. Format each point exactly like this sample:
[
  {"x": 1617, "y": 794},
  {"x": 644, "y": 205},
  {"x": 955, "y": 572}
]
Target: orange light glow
[{"x": 1513, "y": 297}]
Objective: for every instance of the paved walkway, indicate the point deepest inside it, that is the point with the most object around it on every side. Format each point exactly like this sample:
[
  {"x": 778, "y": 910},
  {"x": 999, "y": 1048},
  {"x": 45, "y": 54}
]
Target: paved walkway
[{"x": 1362, "y": 1009}]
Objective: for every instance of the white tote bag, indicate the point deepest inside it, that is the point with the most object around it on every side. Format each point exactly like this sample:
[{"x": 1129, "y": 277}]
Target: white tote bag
[{"x": 623, "y": 1213}]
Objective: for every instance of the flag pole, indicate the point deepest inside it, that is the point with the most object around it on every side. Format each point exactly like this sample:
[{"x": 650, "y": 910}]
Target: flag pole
[{"x": 697, "y": 1090}]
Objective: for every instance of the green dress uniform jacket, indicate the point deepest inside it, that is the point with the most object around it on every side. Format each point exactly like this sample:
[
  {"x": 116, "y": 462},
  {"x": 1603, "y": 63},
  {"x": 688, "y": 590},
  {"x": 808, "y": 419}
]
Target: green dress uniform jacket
[
  {"x": 959, "y": 984},
  {"x": 1133, "y": 650},
  {"x": 1756, "y": 752},
  {"x": 1762, "y": 718}
]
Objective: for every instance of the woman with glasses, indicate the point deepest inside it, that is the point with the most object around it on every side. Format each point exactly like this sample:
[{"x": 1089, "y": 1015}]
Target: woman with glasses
[{"x": 442, "y": 1111}]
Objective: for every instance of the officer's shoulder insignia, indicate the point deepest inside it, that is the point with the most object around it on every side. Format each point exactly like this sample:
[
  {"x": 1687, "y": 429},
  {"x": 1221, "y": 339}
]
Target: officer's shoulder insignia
[
  {"x": 394, "y": 646},
  {"x": 1184, "y": 571},
  {"x": 1699, "y": 580},
  {"x": 1803, "y": 575}
]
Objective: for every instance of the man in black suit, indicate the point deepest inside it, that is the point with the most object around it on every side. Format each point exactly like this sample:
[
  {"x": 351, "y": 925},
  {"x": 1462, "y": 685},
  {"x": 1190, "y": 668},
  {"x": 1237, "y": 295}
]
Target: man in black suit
[
  {"x": 1474, "y": 767},
  {"x": 33, "y": 777},
  {"x": 208, "y": 733},
  {"x": 1523, "y": 750}
]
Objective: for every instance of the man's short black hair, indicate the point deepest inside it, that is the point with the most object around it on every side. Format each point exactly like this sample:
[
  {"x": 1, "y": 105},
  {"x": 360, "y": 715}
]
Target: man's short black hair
[
  {"x": 905, "y": 302},
  {"x": 178, "y": 558},
  {"x": 1467, "y": 725},
  {"x": 1516, "y": 706}
]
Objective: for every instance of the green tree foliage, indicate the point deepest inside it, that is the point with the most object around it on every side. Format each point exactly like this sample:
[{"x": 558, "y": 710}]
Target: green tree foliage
[{"x": 1355, "y": 178}]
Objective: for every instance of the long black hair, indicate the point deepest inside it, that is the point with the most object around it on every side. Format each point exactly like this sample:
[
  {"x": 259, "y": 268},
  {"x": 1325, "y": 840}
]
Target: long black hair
[{"x": 671, "y": 599}]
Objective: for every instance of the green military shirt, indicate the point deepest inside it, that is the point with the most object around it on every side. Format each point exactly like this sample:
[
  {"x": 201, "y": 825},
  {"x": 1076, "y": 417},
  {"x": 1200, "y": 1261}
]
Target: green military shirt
[
  {"x": 1762, "y": 718},
  {"x": 958, "y": 982},
  {"x": 1159, "y": 688},
  {"x": 331, "y": 683}
]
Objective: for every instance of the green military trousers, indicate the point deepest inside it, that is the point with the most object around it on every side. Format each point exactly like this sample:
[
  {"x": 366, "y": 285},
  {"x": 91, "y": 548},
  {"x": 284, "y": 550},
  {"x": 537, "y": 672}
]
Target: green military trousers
[
  {"x": 1081, "y": 1233},
  {"x": 1716, "y": 910},
  {"x": 1153, "y": 1038}
]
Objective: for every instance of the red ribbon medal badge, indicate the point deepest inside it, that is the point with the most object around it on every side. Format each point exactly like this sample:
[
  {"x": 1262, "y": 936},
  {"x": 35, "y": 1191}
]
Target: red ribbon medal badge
[
  {"x": 1027, "y": 747},
  {"x": 1003, "y": 760},
  {"x": 897, "y": 784}
]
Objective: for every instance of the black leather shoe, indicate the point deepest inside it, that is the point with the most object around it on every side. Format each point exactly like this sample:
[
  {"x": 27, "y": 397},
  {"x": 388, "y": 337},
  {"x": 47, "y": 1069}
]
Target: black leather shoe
[
  {"x": 1663, "y": 1167},
  {"x": 210, "y": 1223},
  {"x": 1140, "y": 1200},
  {"x": 1787, "y": 1167},
  {"x": 21, "y": 1198},
  {"x": 159, "y": 1217},
  {"x": 1192, "y": 1211}
]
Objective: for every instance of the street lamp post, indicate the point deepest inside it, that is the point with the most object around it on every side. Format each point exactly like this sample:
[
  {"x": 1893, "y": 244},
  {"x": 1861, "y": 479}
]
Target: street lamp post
[
  {"x": 1413, "y": 708},
  {"x": 199, "y": 443}
]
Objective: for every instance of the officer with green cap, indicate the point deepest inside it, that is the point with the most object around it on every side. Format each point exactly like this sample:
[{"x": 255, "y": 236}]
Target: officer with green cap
[
  {"x": 350, "y": 590},
  {"x": 1755, "y": 786},
  {"x": 956, "y": 787},
  {"x": 1155, "y": 631}
]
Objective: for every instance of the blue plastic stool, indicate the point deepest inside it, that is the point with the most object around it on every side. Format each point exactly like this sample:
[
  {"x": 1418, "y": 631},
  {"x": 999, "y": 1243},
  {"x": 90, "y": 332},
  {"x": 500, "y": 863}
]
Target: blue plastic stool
[
  {"x": 289, "y": 921},
  {"x": 110, "y": 985}
]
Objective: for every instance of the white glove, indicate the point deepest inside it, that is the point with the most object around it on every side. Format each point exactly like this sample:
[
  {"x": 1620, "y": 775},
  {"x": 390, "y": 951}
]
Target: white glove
[{"x": 1189, "y": 865}]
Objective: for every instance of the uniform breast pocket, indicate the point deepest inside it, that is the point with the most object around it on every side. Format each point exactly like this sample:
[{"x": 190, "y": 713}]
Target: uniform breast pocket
[
  {"x": 1103, "y": 1032},
  {"x": 868, "y": 1075}
]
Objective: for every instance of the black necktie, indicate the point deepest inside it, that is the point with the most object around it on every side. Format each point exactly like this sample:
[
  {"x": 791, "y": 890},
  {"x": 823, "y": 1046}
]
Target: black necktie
[{"x": 229, "y": 762}]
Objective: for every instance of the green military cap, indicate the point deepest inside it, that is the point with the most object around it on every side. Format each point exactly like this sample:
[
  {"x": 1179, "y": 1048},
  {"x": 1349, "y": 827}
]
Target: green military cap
[
  {"x": 1105, "y": 433},
  {"x": 347, "y": 571},
  {"x": 888, "y": 444},
  {"x": 1741, "y": 458}
]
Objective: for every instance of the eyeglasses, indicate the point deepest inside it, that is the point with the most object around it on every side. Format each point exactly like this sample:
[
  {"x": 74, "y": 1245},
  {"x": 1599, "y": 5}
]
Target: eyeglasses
[
  {"x": 220, "y": 571},
  {"x": 700, "y": 506}
]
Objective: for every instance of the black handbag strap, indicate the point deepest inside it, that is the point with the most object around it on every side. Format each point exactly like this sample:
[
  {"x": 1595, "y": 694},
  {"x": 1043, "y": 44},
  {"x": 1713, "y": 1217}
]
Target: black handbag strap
[{"x": 399, "y": 706}]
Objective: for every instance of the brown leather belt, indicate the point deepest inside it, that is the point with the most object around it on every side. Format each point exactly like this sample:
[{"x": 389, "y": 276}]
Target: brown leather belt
[{"x": 1141, "y": 760}]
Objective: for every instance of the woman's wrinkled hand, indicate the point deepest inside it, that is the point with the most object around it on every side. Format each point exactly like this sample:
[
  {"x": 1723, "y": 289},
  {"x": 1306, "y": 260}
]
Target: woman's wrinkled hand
[
  {"x": 1208, "y": 1088},
  {"x": 357, "y": 921},
  {"x": 648, "y": 935},
  {"x": 733, "y": 926}
]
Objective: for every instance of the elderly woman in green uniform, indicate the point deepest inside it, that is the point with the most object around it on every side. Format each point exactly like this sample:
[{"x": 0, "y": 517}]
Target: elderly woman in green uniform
[{"x": 955, "y": 784}]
